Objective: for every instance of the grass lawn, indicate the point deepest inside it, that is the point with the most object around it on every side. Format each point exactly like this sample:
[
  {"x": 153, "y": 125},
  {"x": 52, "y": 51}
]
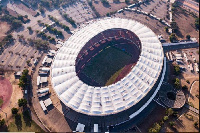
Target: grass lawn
[
  {"x": 114, "y": 77},
  {"x": 23, "y": 126},
  {"x": 106, "y": 63},
  {"x": 1, "y": 102}
]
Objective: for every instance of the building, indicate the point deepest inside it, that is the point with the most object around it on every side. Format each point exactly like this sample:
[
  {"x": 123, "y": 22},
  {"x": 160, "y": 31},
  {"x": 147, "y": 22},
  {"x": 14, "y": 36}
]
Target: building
[{"x": 122, "y": 101}]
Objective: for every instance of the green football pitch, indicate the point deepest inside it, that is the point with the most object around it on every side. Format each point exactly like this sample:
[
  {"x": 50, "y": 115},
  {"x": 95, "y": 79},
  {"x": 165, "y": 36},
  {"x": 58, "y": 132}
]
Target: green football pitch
[{"x": 106, "y": 63}]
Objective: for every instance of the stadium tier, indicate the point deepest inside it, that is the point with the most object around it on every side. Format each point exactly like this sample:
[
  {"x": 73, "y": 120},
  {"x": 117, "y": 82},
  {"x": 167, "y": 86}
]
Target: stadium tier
[{"x": 140, "y": 83}]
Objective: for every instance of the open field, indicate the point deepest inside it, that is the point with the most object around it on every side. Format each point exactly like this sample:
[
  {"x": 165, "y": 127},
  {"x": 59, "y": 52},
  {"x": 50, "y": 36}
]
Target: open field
[
  {"x": 105, "y": 64},
  {"x": 4, "y": 27},
  {"x": 194, "y": 95},
  {"x": 23, "y": 126},
  {"x": 186, "y": 24},
  {"x": 183, "y": 124}
]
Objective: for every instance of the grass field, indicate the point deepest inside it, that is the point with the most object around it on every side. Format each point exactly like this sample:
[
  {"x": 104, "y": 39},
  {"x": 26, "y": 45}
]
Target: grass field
[
  {"x": 1, "y": 102},
  {"x": 104, "y": 65}
]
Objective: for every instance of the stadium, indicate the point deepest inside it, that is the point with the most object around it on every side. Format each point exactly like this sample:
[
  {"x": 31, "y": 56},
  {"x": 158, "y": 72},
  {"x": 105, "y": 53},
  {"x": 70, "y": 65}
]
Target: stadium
[{"x": 108, "y": 72}]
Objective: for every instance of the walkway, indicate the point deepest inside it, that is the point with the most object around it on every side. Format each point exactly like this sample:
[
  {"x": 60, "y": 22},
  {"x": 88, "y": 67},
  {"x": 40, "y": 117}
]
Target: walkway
[{"x": 191, "y": 108}]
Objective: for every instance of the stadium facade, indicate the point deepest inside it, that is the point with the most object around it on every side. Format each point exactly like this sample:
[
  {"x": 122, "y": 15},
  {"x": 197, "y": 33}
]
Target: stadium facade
[{"x": 130, "y": 95}]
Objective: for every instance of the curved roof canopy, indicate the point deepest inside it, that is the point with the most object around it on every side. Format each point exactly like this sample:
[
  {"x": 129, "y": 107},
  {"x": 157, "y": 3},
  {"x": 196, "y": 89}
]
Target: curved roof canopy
[{"x": 127, "y": 92}]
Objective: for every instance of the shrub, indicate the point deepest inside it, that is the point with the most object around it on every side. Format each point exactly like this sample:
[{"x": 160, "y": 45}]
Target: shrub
[
  {"x": 172, "y": 124},
  {"x": 2, "y": 122},
  {"x": 14, "y": 111},
  {"x": 165, "y": 118},
  {"x": 184, "y": 87},
  {"x": 169, "y": 111},
  {"x": 172, "y": 37},
  {"x": 188, "y": 37},
  {"x": 22, "y": 102}
]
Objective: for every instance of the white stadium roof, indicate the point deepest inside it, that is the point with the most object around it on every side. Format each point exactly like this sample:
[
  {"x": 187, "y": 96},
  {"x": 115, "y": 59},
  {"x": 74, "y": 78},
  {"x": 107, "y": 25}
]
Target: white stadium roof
[{"x": 99, "y": 101}]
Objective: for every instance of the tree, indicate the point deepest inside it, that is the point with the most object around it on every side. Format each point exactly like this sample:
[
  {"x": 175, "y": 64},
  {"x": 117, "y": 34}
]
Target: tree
[
  {"x": 29, "y": 28},
  {"x": 188, "y": 37},
  {"x": 197, "y": 23},
  {"x": 177, "y": 83},
  {"x": 166, "y": 29},
  {"x": 14, "y": 111},
  {"x": 196, "y": 124},
  {"x": 156, "y": 128},
  {"x": 28, "y": 62},
  {"x": 169, "y": 111},
  {"x": 171, "y": 123},
  {"x": 22, "y": 102},
  {"x": 184, "y": 87},
  {"x": 172, "y": 37},
  {"x": 177, "y": 70},
  {"x": 2, "y": 122},
  {"x": 165, "y": 118}
]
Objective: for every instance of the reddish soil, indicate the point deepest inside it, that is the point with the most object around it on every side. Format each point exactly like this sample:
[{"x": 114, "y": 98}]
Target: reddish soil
[{"x": 5, "y": 91}]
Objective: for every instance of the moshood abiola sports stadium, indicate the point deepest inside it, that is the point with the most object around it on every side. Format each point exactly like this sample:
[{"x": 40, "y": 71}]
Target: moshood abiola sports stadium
[{"x": 132, "y": 93}]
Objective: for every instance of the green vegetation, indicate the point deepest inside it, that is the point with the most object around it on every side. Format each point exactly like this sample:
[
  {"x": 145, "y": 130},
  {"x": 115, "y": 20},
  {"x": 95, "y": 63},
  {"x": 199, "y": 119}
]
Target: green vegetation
[
  {"x": 114, "y": 77},
  {"x": 172, "y": 124},
  {"x": 66, "y": 28},
  {"x": 169, "y": 111},
  {"x": 173, "y": 37},
  {"x": 106, "y": 63},
  {"x": 196, "y": 124},
  {"x": 14, "y": 111},
  {"x": 165, "y": 118},
  {"x": 2, "y": 122},
  {"x": 177, "y": 83},
  {"x": 22, "y": 102},
  {"x": 23, "y": 81},
  {"x": 166, "y": 29},
  {"x": 191, "y": 104},
  {"x": 105, "y": 2},
  {"x": 156, "y": 128},
  {"x": 69, "y": 19},
  {"x": 184, "y": 87},
  {"x": 29, "y": 28},
  {"x": 13, "y": 21},
  {"x": 39, "y": 44},
  {"x": 174, "y": 26},
  {"x": 187, "y": 81},
  {"x": 177, "y": 70},
  {"x": 188, "y": 37},
  {"x": 197, "y": 23},
  {"x": 22, "y": 124},
  {"x": 93, "y": 8},
  {"x": 1, "y": 102}
]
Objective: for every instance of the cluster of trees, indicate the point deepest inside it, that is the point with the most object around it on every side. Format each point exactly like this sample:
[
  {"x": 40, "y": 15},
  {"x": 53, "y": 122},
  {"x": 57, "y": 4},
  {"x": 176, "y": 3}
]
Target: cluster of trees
[
  {"x": 197, "y": 22},
  {"x": 54, "y": 30},
  {"x": 94, "y": 9},
  {"x": 39, "y": 44},
  {"x": 66, "y": 28},
  {"x": 42, "y": 34},
  {"x": 69, "y": 19},
  {"x": 14, "y": 22},
  {"x": 23, "y": 81}
]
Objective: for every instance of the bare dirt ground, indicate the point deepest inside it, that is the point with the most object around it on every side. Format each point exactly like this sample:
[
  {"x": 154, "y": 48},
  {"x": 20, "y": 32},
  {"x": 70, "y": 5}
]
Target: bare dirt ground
[
  {"x": 186, "y": 24},
  {"x": 155, "y": 116},
  {"x": 183, "y": 124},
  {"x": 195, "y": 91},
  {"x": 4, "y": 27},
  {"x": 103, "y": 10},
  {"x": 5, "y": 91},
  {"x": 17, "y": 94}
]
